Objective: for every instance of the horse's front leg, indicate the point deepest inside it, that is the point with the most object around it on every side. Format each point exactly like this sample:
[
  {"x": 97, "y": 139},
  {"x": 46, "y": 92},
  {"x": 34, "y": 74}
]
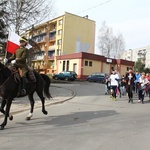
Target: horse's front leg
[
  {"x": 8, "y": 105},
  {"x": 3, "y": 103}
]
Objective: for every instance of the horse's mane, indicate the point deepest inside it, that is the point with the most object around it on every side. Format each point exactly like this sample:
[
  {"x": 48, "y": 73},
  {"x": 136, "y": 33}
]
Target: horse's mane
[
  {"x": 5, "y": 70},
  {"x": 1, "y": 65}
]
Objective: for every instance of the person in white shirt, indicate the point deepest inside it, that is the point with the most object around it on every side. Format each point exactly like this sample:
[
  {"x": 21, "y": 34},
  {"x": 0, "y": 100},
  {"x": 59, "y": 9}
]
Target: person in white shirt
[
  {"x": 114, "y": 83},
  {"x": 143, "y": 81}
]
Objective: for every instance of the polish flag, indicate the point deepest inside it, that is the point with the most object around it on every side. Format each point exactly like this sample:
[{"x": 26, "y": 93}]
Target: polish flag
[{"x": 13, "y": 43}]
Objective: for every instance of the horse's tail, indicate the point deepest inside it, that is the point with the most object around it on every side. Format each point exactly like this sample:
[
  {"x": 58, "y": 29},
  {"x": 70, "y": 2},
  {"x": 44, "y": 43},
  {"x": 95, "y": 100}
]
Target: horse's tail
[{"x": 47, "y": 82}]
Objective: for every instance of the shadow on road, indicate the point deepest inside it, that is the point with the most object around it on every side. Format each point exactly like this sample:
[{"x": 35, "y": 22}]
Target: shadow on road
[{"x": 69, "y": 119}]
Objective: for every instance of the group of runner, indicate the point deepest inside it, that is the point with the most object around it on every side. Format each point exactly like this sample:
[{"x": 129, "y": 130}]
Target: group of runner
[{"x": 136, "y": 82}]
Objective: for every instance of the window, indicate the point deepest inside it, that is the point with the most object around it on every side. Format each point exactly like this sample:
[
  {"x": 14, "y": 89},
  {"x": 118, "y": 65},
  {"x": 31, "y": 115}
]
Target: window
[
  {"x": 59, "y": 32},
  {"x": 90, "y": 63},
  {"x": 127, "y": 68},
  {"x": 86, "y": 63},
  {"x": 67, "y": 65},
  {"x": 60, "y": 22},
  {"x": 64, "y": 65},
  {"x": 58, "y": 42},
  {"x": 58, "y": 52}
]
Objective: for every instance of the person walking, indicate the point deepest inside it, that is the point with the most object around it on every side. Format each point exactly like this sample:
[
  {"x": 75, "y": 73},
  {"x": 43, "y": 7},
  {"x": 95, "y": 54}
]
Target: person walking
[
  {"x": 137, "y": 75},
  {"x": 114, "y": 84},
  {"x": 107, "y": 85},
  {"x": 130, "y": 78},
  {"x": 143, "y": 81},
  {"x": 147, "y": 90},
  {"x": 123, "y": 84}
]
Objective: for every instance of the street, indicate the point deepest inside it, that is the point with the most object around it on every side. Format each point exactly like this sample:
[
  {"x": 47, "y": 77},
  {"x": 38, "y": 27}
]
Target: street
[{"x": 89, "y": 121}]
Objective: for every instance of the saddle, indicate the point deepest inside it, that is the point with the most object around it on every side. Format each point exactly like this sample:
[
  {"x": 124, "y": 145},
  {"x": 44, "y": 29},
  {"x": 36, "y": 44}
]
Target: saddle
[{"x": 18, "y": 74}]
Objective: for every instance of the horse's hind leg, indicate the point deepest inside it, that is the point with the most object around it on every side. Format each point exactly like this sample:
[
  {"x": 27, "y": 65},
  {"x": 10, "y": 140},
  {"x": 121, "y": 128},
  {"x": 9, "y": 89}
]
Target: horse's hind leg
[
  {"x": 40, "y": 94},
  {"x": 30, "y": 96}
]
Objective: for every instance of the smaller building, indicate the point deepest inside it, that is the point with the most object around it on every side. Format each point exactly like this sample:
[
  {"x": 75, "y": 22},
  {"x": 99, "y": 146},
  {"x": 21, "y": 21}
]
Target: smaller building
[{"x": 85, "y": 64}]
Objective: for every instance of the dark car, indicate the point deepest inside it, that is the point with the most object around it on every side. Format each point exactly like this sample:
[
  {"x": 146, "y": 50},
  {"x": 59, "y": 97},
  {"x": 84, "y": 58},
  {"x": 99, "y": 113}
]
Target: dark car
[
  {"x": 97, "y": 77},
  {"x": 65, "y": 75}
]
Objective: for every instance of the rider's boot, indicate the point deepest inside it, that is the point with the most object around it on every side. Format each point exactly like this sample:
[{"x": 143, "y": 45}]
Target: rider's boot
[{"x": 24, "y": 81}]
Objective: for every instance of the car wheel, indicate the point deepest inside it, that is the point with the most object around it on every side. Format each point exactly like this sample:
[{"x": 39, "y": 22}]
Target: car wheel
[
  {"x": 56, "y": 78},
  {"x": 66, "y": 79}
]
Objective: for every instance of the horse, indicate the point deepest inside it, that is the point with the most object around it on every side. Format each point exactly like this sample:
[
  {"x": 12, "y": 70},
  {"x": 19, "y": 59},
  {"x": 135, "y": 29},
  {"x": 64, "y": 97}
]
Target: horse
[{"x": 9, "y": 87}]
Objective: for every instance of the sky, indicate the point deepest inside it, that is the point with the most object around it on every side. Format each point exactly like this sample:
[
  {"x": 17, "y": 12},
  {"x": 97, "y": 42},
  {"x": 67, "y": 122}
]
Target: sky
[{"x": 131, "y": 18}]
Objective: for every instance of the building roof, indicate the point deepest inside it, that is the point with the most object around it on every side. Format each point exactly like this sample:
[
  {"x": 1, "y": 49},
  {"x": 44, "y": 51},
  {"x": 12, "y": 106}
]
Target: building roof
[{"x": 95, "y": 57}]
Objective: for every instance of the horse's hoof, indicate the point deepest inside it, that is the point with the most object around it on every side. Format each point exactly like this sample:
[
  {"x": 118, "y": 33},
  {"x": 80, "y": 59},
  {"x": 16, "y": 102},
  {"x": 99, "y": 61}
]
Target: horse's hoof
[
  {"x": 1, "y": 127},
  {"x": 28, "y": 118},
  {"x": 45, "y": 112},
  {"x": 11, "y": 117}
]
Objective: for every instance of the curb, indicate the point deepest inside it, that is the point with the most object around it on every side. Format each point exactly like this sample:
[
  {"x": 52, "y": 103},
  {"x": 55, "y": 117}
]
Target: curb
[{"x": 73, "y": 94}]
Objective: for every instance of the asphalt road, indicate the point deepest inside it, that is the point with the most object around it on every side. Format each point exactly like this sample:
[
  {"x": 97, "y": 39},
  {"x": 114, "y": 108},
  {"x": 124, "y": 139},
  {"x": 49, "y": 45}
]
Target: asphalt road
[{"x": 89, "y": 121}]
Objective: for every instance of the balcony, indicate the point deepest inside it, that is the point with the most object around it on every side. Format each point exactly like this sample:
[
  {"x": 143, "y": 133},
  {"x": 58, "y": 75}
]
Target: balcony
[
  {"x": 53, "y": 30},
  {"x": 52, "y": 47},
  {"x": 39, "y": 38},
  {"x": 51, "y": 54},
  {"x": 38, "y": 55},
  {"x": 50, "y": 57}
]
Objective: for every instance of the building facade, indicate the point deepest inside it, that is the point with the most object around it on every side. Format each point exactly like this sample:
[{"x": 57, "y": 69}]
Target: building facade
[
  {"x": 85, "y": 64},
  {"x": 63, "y": 35},
  {"x": 142, "y": 54}
]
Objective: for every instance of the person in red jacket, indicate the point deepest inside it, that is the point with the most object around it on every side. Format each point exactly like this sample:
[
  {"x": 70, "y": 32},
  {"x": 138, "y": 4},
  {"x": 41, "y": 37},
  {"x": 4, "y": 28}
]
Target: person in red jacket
[{"x": 147, "y": 90}]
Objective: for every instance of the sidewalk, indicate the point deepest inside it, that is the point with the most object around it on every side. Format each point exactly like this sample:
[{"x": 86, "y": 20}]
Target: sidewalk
[{"x": 59, "y": 95}]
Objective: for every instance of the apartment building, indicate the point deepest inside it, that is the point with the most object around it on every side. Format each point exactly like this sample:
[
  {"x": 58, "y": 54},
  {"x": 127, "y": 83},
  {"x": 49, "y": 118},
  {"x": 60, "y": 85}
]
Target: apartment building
[
  {"x": 142, "y": 53},
  {"x": 63, "y": 35}
]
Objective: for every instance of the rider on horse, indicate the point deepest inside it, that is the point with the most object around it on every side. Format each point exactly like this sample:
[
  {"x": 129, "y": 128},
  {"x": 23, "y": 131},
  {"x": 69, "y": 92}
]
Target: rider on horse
[{"x": 19, "y": 60}]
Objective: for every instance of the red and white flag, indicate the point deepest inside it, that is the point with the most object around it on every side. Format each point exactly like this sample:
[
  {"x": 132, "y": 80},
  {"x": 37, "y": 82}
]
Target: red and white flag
[{"x": 13, "y": 43}]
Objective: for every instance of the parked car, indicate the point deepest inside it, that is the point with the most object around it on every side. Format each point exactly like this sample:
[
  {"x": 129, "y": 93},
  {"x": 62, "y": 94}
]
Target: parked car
[
  {"x": 97, "y": 77},
  {"x": 65, "y": 75}
]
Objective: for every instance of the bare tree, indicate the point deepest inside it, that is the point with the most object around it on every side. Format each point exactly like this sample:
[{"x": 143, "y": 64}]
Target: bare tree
[
  {"x": 118, "y": 45},
  {"x": 109, "y": 44},
  {"x": 24, "y": 13}
]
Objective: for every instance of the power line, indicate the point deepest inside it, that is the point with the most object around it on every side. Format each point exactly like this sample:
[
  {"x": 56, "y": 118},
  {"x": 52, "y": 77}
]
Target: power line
[{"x": 94, "y": 6}]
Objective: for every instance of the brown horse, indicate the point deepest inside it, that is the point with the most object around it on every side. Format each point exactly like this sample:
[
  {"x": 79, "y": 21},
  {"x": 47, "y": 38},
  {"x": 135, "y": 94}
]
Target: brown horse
[{"x": 9, "y": 90}]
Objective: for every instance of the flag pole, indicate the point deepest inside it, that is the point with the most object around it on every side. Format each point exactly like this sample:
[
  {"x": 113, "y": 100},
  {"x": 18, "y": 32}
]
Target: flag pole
[{"x": 7, "y": 46}]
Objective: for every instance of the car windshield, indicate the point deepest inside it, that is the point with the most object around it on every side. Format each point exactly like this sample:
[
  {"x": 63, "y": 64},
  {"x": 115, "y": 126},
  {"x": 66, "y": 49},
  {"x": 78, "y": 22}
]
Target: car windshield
[{"x": 98, "y": 74}]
